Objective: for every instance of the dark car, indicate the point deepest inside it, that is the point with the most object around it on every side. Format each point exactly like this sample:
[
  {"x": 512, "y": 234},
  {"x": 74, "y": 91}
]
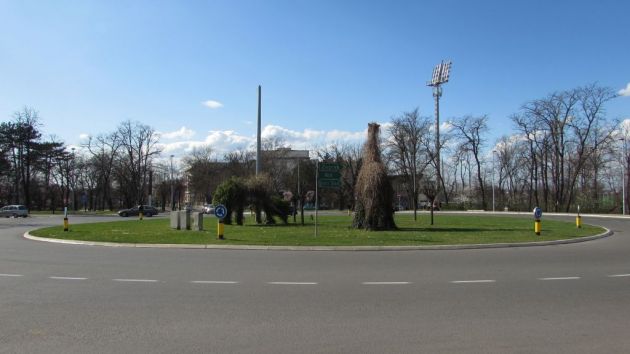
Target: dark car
[{"x": 147, "y": 211}]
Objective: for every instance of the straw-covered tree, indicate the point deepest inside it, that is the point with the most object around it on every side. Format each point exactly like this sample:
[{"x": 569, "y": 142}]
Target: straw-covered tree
[{"x": 374, "y": 205}]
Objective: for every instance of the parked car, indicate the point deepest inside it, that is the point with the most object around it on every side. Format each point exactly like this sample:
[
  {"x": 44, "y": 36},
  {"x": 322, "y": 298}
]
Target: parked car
[
  {"x": 208, "y": 209},
  {"x": 13, "y": 211},
  {"x": 147, "y": 211}
]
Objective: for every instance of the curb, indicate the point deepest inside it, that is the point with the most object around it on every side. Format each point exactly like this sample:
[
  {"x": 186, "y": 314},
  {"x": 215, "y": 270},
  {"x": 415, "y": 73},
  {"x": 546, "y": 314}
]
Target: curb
[{"x": 604, "y": 234}]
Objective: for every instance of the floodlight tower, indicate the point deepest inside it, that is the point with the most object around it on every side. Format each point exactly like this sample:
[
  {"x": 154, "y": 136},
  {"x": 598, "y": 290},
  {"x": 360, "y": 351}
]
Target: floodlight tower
[
  {"x": 258, "y": 144},
  {"x": 440, "y": 76}
]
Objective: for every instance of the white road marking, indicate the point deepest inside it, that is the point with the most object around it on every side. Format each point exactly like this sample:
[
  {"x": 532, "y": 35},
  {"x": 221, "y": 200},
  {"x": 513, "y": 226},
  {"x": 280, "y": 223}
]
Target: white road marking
[
  {"x": 290, "y": 283},
  {"x": 560, "y": 278},
  {"x": 137, "y": 280},
  {"x": 385, "y": 282},
  {"x": 11, "y": 275},
  {"x": 213, "y": 282},
  {"x": 67, "y": 278},
  {"x": 618, "y": 275},
  {"x": 473, "y": 281}
]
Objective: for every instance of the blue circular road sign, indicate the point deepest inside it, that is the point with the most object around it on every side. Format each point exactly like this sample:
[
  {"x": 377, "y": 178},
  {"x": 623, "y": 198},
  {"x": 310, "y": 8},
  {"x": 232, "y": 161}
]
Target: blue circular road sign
[
  {"x": 537, "y": 213},
  {"x": 220, "y": 211}
]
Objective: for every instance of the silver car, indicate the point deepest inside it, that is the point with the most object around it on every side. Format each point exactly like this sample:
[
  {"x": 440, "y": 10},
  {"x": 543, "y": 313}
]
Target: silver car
[
  {"x": 13, "y": 211},
  {"x": 208, "y": 209}
]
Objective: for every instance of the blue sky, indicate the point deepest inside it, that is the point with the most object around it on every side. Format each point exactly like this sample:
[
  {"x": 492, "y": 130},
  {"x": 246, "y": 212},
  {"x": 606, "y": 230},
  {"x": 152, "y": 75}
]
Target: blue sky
[{"x": 327, "y": 68}]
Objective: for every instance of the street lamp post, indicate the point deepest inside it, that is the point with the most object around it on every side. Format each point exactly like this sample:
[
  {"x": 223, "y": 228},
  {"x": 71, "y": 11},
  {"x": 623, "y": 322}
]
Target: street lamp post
[
  {"x": 172, "y": 187},
  {"x": 73, "y": 180},
  {"x": 623, "y": 175},
  {"x": 493, "y": 152}
]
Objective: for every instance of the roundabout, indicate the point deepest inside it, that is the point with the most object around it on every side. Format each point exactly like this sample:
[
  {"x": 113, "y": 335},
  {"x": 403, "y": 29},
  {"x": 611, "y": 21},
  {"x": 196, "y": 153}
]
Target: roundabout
[
  {"x": 75, "y": 299},
  {"x": 455, "y": 230}
]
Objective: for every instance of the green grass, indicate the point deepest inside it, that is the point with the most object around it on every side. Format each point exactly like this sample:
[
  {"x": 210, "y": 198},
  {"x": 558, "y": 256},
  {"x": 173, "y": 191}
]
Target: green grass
[{"x": 333, "y": 231}]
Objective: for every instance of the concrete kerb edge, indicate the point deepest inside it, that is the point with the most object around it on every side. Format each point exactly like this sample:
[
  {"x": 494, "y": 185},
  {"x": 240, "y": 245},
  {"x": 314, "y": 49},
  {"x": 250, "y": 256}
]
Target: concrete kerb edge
[{"x": 606, "y": 233}]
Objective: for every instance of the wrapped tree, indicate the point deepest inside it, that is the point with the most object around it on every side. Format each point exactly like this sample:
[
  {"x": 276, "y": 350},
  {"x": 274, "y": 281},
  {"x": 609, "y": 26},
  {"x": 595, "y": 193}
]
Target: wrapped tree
[{"x": 374, "y": 205}]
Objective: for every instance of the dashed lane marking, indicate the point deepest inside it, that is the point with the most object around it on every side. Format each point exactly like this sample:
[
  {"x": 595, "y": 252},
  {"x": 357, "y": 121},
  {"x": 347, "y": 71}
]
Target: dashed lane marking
[
  {"x": 136, "y": 280},
  {"x": 11, "y": 275},
  {"x": 473, "y": 281},
  {"x": 618, "y": 275},
  {"x": 213, "y": 282},
  {"x": 560, "y": 278},
  {"x": 67, "y": 278}
]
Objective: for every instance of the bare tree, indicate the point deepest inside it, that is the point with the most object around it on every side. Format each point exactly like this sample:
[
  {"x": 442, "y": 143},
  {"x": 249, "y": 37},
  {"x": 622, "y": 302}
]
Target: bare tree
[
  {"x": 407, "y": 138},
  {"x": 138, "y": 144},
  {"x": 104, "y": 149},
  {"x": 204, "y": 172},
  {"x": 564, "y": 129},
  {"x": 470, "y": 131}
]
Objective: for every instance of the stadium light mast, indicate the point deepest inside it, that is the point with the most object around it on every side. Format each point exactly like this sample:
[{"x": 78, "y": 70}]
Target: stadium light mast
[
  {"x": 258, "y": 143},
  {"x": 440, "y": 76}
]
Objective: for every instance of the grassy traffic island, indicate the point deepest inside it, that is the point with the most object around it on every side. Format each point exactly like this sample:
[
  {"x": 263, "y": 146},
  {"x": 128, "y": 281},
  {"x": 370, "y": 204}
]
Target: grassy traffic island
[{"x": 332, "y": 231}]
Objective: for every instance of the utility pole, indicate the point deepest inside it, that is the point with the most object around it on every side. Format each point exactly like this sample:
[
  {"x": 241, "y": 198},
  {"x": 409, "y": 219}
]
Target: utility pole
[
  {"x": 440, "y": 76},
  {"x": 258, "y": 142}
]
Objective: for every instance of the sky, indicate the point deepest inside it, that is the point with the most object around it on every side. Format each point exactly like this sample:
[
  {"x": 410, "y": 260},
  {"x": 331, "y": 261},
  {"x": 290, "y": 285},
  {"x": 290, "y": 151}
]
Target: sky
[{"x": 191, "y": 69}]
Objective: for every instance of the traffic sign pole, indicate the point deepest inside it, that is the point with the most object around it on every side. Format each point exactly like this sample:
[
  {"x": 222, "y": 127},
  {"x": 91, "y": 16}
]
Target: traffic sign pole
[
  {"x": 537, "y": 222},
  {"x": 220, "y": 211}
]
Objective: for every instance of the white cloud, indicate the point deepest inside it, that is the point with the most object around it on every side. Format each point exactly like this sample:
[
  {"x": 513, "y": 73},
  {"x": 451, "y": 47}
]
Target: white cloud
[
  {"x": 212, "y": 104},
  {"x": 623, "y": 130},
  {"x": 181, "y": 133},
  {"x": 227, "y": 138},
  {"x": 309, "y": 138},
  {"x": 625, "y": 91},
  {"x": 223, "y": 141},
  {"x": 84, "y": 136},
  {"x": 220, "y": 141}
]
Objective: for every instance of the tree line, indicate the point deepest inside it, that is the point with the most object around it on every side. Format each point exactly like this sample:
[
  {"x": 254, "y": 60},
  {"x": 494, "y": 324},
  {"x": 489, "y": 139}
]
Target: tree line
[{"x": 564, "y": 151}]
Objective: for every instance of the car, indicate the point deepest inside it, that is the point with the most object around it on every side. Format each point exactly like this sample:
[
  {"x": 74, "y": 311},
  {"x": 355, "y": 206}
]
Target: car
[
  {"x": 208, "y": 209},
  {"x": 148, "y": 211},
  {"x": 13, "y": 211}
]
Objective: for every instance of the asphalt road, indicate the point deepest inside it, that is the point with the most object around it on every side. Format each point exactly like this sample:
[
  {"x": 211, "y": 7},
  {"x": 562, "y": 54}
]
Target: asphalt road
[{"x": 87, "y": 299}]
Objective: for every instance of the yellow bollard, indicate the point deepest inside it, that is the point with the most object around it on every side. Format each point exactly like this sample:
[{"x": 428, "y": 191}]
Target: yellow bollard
[
  {"x": 220, "y": 228},
  {"x": 65, "y": 224},
  {"x": 537, "y": 227},
  {"x": 578, "y": 221}
]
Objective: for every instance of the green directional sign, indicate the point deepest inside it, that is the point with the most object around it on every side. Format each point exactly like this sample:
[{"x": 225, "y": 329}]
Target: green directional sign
[
  {"x": 329, "y": 175},
  {"x": 329, "y": 183},
  {"x": 329, "y": 167}
]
